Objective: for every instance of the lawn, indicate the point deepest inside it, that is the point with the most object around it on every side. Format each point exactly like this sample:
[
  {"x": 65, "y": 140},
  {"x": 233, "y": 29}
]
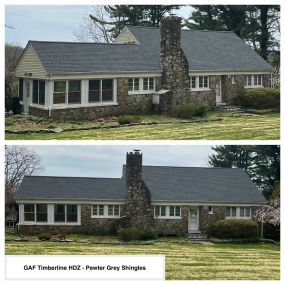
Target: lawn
[
  {"x": 233, "y": 127},
  {"x": 184, "y": 260}
]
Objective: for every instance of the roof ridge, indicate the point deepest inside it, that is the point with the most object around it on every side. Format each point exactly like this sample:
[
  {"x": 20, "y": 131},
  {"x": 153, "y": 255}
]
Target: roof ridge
[
  {"x": 53, "y": 176},
  {"x": 201, "y": 167},
  {"x": 189, "y": 30},
  {"x": 90, "y": 43}
]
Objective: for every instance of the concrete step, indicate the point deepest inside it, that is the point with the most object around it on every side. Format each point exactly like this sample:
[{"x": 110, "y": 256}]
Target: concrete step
[{"x": 197, "y": 236}]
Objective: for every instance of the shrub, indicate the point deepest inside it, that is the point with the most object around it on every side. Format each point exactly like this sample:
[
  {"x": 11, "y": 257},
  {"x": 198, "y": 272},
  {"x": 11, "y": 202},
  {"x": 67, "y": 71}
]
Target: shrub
[
  {"x": 201, "y": 110},
  {"x": 183, "y": 111},
  {"x": 130, "y": 234},
  {"x": 260, "y": 98},
  {"x": 44, "y": 236},
  {"x": 188, "y": 111},
  {"x": 128, "y": 119},
  {"x": 238, "y": 229}
]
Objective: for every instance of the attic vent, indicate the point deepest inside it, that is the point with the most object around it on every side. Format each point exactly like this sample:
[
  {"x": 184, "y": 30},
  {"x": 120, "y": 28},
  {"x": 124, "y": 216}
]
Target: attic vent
[{"x": 28, "y": 74}]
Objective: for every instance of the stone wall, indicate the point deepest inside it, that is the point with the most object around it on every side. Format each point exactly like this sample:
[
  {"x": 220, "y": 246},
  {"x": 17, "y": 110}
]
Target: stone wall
[
  {"x": 174, "y": 64},
  {"x": 205, "y": 219},
  {"x": 229, "y": 90},
  {"x": 137, "y": 209}
]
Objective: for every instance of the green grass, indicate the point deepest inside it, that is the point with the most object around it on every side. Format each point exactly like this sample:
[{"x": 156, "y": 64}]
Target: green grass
[
  {"x": 184, "y": 260},
  {"x": 258, "y": 127}
]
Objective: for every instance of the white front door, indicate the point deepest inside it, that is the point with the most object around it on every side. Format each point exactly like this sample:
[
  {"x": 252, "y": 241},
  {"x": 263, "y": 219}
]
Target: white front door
[
  {"x": 193, "y": 221},
  {"x": 27, "y": 95},
  {"x": 219, "y": 91}
]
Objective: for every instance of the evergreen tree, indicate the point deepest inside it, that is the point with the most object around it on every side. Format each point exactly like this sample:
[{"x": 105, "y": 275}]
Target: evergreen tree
[{"x": 261, "y": 163}]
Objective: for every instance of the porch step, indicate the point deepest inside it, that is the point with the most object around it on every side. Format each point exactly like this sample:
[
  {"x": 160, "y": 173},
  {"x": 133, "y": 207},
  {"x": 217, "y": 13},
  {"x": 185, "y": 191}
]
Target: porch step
[{"x": 197, "y": 236}]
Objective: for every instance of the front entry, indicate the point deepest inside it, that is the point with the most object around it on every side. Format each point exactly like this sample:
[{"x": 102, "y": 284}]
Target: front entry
[
  {"x": 218, "y": 90},
  {"x": 193, "y": 220}
]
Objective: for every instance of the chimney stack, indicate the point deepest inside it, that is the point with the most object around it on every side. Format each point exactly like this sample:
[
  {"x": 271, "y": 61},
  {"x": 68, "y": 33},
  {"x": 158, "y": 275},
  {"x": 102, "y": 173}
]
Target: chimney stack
[{"x": 174, "y": 64}]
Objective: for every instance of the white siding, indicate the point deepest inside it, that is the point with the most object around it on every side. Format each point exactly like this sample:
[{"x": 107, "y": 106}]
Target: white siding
[
  {"x": 126, "y": 37},
  {"x": 30, "y": 63}
]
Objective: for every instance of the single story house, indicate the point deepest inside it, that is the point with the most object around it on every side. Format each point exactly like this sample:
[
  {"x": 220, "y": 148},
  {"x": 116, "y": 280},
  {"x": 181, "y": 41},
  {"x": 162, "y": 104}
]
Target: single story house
[
  {"x": 173, "y": 200},
  {"x": 144, "y": 69}
]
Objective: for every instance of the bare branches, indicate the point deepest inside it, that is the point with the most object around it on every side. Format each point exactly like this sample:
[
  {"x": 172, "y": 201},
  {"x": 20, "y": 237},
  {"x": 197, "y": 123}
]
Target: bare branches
[
  {"x": 95, "y": 31},
  {"x": 20, "y": 161}
]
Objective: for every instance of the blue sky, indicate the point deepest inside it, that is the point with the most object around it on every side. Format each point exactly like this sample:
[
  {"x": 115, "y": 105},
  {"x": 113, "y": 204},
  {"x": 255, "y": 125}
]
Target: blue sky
[
  {"x": 47, "y": 22},
  {"x": 107, "y": 161}
]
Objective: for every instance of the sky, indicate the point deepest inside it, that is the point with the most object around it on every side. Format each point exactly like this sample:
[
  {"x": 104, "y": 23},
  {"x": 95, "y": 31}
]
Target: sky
[
  {"x": 107, "y": 161},
  {"x": 48, "y": 22}
]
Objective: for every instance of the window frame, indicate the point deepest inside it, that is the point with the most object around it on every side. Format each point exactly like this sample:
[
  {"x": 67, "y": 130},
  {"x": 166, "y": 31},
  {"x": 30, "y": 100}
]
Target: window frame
[
  {"x": 105, "y": 214},
  {"x": 66, "y": 93},
  {"x": 166, "y": 210},
  {"x": 101, "y": 91},
  {"x": 38, "y": 102},
  {"x": 239, "y": 211},
  {"x": 250, "y": 81},
  {"x": 30, "y": 212},
  {"x": 198, "y": 81},
  {"x": 65, "y": 215},
  {"x": 141, "y": 84}
]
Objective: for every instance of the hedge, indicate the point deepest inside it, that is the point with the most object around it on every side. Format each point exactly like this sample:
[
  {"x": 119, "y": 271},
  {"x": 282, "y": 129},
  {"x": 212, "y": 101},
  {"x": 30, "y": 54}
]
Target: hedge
[
  {"x": 239, "y": 229},
  {"x": 260, "y": 98},
  {"x": 190, "y": 110},
  {"x": 128, "y": 119},
  {"x": 129, "y": 234}
]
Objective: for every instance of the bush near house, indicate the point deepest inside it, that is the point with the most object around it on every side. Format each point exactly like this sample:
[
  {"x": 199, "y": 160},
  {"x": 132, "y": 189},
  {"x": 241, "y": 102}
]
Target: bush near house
[
  {"x": 128, "y": 119},
  {"x": 190, "y": 110},
  {"x": 44, "y": 236},
  {"x": 227, "y": 229},
  {"x": 260, "y": 98},
  {"x": 136, "y": 234}
]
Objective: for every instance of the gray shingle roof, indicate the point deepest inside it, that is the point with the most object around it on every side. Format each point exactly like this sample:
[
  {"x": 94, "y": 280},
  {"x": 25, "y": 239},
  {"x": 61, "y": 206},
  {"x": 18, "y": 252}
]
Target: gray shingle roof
[
  {"x": 165, "y": 184},
  {"x": 205, "y": 50}
]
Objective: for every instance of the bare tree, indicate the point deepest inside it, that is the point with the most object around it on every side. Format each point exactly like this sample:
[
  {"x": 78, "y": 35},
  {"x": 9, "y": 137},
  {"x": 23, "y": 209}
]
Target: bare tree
[
  {"x": 90, "y": 31},
  {"x": 19, "y": 161}
]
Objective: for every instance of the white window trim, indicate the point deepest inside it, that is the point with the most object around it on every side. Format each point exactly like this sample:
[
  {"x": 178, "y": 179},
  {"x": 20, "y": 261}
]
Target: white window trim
[
  {"x": 167, "y": 212},
  {"x": 106, "y": 215},
  {"x": 252, "y": 81},
  {"x": 238, "y": 217},
  {"x": 197, "y": 88},
  {"x": 50, "y": 213},
  {"x": 141, "y": 91}
]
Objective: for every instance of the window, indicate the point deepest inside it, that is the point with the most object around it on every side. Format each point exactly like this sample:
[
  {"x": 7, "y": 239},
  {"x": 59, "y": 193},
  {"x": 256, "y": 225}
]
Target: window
[
  {"x": 167, "y": 211},
  {"x": 238, "y": 212},
  {"x": 59, "y": 92},
  {"x": 41, "y": 210},
  {"x": 148, "y": 83},
  {"x": 59, "y": 213},
  {"x": 105, "y": 211},
  {"x": 211, "y": 210},
  {"x": 199, "y": 82},
  {"x": 29, "y": 212},
  {"x": 65, "y": 213},
  {"x": 100, "y": 90},
  {"x": 174, "y": 211},
  {"x": 133, "y": 84},
  {"x": 254, "y": 80},
  {"x": 113, "y": 210},
  {"x": 245, "y": 212},
  {"x": 38, "y": 92},
  {"x": 74, "y": 92},
  {"x": 233, "y": 79},
  {"x": 71, "y": 213},
  {"x": 21, "y": 89}
]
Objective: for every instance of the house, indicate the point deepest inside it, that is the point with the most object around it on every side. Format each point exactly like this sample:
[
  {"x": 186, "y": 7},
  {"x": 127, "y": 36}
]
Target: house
[
  {"x": 173, "y": 200},
  {"x": 145, "y": 69}
]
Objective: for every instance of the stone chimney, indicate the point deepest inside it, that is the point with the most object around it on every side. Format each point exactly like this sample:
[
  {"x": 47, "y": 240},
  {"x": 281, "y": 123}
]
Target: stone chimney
[
  {"x": 174, "y": 64},
  {"x": 137, "y": 210}
]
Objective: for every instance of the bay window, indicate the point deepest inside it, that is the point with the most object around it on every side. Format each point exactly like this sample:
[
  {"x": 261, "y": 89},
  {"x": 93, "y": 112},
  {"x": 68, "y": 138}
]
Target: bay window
[
  {"x": 41, "y": 210},
  {"x": 74, "y": 92},
  {"x": 65, "y": 213},
  {"x": 59, "y": 92}
]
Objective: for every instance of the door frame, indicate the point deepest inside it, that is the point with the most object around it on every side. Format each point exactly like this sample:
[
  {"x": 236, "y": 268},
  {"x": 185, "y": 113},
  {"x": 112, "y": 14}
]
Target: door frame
[
  {"x": 219, "y": 81},
  {"x": 198, "y": 219}
]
